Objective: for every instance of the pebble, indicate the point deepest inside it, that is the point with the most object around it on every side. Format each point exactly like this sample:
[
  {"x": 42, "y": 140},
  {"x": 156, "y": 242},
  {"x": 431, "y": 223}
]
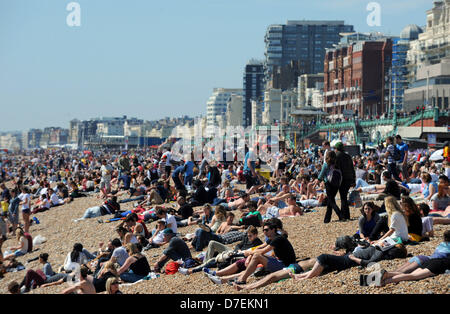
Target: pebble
[{"x": 307, "y": 233}]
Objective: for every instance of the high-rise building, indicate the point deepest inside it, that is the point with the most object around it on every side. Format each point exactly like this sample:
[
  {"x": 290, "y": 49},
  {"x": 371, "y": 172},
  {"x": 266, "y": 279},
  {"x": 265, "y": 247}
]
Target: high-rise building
[
  {"x": 253, "y": 88},
  {"x": 399, "y": 70},
  {"x": 217, "y": 106},
  {"x": 301, "y": 40}
]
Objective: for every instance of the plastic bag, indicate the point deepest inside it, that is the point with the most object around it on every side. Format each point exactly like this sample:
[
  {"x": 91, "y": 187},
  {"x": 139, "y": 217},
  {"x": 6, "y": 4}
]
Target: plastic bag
[{"x": 38, "y": 240}]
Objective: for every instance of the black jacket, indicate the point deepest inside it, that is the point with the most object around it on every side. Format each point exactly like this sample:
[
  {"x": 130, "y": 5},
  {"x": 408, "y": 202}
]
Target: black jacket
[{"x": 345, "y": 163}]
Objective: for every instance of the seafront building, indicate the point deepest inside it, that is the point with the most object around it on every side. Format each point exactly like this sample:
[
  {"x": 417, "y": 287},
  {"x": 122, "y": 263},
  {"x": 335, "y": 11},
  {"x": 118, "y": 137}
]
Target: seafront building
[
  {"x": 356, "y": 78},
  {"x": 433, "y": 44},
  {"x": 216, "y": 107},
  {"x": 304, "y": 41},
  {"x": 253, "y": 86}
]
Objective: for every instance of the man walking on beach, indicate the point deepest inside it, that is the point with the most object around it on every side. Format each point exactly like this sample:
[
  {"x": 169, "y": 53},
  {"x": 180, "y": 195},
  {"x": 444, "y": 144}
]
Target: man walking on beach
[{"x": 344, "y": 163}]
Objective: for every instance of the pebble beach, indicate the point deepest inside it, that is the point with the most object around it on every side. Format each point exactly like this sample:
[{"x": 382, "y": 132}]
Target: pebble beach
[{"x": 308, "y": 234}]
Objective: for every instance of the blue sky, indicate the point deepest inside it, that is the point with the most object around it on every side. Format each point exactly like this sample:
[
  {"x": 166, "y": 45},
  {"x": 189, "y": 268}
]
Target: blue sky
[{"x": 144, "y": 58}]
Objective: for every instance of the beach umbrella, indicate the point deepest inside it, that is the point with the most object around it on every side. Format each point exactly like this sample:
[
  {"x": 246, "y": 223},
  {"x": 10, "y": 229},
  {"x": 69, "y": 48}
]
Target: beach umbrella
[{"x": 437, "y": 155}]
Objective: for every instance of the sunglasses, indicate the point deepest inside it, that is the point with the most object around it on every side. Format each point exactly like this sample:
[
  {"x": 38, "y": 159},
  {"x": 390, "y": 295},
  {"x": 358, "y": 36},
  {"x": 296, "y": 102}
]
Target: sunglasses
[
  {"x": 115, "y": 283},
  {"x": 266, "y": 229}
]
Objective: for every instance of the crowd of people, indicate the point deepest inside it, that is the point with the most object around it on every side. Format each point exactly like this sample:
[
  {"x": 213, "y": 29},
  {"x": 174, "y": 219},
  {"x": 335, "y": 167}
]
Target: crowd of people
[{"x": 401, "y": 196}]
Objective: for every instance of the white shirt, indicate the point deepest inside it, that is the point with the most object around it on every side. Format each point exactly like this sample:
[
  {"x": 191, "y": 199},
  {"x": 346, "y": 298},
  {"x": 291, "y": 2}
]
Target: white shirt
[
  {"x": 170, "y": 220},
  {"x": 25, "y": 198},
  {"x": 159, "y": 238},
  {"x": 398, "y": 223},
  {"x": 104, "y": 169},
  {"x": 169, "y": 158},
  {"x": 54, "y": 199}
]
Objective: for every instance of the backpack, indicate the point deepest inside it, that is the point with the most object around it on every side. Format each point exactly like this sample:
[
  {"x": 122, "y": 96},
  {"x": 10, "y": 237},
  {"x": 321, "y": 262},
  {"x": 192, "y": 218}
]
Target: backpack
[{"x": 334, "y": 176}]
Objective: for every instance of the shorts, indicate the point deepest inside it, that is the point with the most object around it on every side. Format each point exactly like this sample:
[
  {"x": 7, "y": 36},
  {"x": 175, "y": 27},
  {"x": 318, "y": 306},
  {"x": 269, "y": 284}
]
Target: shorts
[
  {"x": 272, "y": 212},
  {"x": 240, "y": 264},
  {"x": 437, "y": 265},
  {"x": 274, "y": 264},
  {"x": 26, "y": 211},
  {"x": 13, "y": 218},
  {"x": 105, "y": 184},
  {"x": 419, "y": 259},
  {"x": 18, "y": 253},
  {"x": 294, "y": 268}
]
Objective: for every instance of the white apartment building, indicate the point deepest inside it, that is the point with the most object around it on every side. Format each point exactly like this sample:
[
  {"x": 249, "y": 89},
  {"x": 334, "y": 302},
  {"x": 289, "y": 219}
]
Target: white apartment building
[
  {"x": 434, "y": 43},
  {"x": 217, "y": 106},
  {"x": 257, "y": 111},
  {"x": 235, "y": 110},
  {"x": 272, "y": 106}
]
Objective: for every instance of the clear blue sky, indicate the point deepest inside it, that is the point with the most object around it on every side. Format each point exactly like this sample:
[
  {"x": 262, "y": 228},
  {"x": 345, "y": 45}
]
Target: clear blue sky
[{"x": 144, "y": 58}]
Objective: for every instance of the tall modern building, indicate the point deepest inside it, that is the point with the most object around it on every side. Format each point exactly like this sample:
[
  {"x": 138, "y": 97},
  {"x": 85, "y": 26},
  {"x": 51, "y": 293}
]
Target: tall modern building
[
  {"x": 399, "y": 70},
  {"x": 216, "y": 107},
  {"x": 253, "y": 88},
  {"x": 301, "y": 40}
]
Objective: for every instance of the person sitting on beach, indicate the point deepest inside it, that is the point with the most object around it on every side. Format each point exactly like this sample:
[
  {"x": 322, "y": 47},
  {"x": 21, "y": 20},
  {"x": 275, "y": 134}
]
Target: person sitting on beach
[
  {"x": 136, "y": 266},
  {"x": 184, "y": 212},
  {"x": 112, "y": 286},
  {"x": 85, "y": 286},
  {"x": 176, "y": 250},
  {"x": 157, "y": 238},
  {"x": 429, "y": 187},
  {"x": 420, "y": 267},
  {"x": 55, "y": 200},
  {"x": 396, "y": 221},
  {"x": 107, "y": 271},
  {"x": 44, "y": 205},
  {"x": 156, "y": 194},
  {"x": 251, "y": 217},
  {"x": 126, "y": 236},
  {"x": 440, "y": 201},
  {"x": 36, "y": 278},
  {"x": 412, "y": 213},
  {"x": 209, "y": 231},
  {"x": 284, "y": 255},
  {"x": 212, "y": 257},
  {"x": 78, "y": 257},
  {"x": 368, "y": 220},
  {"x": 132, "y": 225},
  {"x": 25, "y": 245},
  {"x": 170, "y": 220}
]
